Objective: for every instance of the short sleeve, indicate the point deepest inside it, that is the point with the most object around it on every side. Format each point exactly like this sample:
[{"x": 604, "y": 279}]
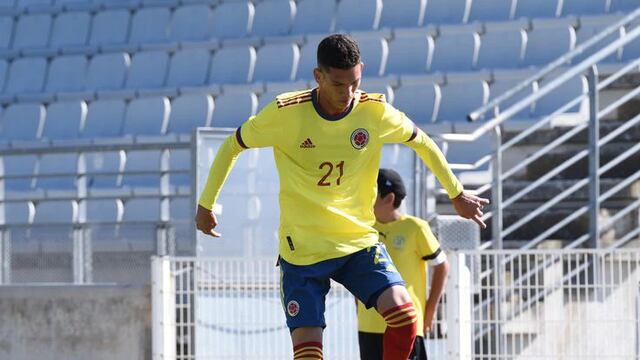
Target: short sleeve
[
  {"x": 260, "y": 130},
  {"x": 396, "y": 126},
  {"x": 428, "y": 246}
]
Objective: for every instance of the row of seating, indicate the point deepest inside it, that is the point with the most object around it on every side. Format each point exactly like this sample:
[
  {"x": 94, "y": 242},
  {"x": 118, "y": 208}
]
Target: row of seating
[{"x": 412, "y": 51}]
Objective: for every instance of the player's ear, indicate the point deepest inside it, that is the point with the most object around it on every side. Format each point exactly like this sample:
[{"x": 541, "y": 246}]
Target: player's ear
[
  {"x": 317, "y": 74},
  {"x": 389, "y": 198}
]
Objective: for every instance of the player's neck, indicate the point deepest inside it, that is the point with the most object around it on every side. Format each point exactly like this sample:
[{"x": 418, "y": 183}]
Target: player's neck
[
  {"x": 327, "y": 107},
  {"x": 390, "y": 216}
]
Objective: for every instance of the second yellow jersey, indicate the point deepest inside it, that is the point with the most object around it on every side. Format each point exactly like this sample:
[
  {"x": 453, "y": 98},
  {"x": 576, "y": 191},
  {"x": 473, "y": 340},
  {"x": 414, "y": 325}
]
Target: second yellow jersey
[
  {"x": 328, "y": 169},
  {"x": 410, "y": 243}
]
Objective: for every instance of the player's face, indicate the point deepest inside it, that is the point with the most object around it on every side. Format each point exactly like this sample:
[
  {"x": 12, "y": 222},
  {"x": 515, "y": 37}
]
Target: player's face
[
  {"x": 383, "y": 206},
  {"x": 338, "y": 87}
]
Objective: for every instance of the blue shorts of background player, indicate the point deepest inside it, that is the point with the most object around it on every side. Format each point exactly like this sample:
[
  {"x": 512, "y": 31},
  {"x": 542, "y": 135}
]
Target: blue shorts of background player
[{"x": 366, "y": 274}]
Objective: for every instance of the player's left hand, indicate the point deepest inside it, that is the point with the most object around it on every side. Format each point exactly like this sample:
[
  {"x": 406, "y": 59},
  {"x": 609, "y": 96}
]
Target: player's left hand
[
  {"x": 429, "y": 314},
  {"x": 470, "y": 207}
]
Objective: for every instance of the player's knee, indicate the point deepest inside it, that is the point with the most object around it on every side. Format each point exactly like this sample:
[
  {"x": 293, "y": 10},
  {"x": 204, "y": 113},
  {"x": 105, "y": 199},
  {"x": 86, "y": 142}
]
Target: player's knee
[
  {"x": 307, "y": 351},
  {"x": 402, "y": 320}
]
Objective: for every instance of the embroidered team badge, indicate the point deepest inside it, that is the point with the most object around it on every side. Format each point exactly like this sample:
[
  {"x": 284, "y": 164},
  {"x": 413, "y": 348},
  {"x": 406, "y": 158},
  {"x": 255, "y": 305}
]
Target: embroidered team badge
[
  {"x": 398, "y": 242},
  {"x": 359, "y": 138},
  {"x": 293, "y": 308}
]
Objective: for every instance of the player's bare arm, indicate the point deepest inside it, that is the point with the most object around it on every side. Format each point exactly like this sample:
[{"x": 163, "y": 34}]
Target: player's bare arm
[
  {"x": 470, "y": 207},
  {"x": 438, "y": 282},
  {"x": 206, "y": 221}
]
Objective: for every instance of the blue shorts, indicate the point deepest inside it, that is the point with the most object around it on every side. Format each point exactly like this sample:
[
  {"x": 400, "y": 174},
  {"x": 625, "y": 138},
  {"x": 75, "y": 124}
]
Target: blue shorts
[{"x": 366, "y": 274}]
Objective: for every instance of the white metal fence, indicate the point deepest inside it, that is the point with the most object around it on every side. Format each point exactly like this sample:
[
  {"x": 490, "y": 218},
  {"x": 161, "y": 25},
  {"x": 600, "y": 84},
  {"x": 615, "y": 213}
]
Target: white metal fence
[{"x": 538, "y": 304}]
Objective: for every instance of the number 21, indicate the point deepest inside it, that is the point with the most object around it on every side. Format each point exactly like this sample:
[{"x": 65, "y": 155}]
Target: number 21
[{"x": 323, "y": 181}]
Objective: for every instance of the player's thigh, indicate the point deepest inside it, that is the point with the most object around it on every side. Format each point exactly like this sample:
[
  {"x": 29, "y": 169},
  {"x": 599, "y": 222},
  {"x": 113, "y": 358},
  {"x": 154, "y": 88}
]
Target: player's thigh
[
  {"x": 303, "y": 298},
  {"x": 368, "y": 273},
  {"x": 392, "y": 297},
  {"x": 370, "y": 345}
]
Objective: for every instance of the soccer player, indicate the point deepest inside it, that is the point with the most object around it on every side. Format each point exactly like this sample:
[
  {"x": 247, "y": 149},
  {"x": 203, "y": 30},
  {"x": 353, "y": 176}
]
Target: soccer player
[
  {"x": 410, "y": 243},
  {"x": 327, "y": 143}
]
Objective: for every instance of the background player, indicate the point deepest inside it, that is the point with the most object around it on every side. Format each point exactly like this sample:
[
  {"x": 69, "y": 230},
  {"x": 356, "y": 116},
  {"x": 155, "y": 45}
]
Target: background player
[
  {"x": 410, "y": 243},
  {"x": 327, "y": 145}
]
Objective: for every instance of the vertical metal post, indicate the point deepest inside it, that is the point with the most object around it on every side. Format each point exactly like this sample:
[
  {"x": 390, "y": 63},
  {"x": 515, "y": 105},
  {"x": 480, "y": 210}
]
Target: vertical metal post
[
  {"x": 496, "y": 191},
  {"x": 594, "y": 159},
  {"x": 163, "y": 310},
  {"x": 82, "y": 256},
  {"x": 638, "y": 323},
  {"x": 5, "y": 256},
  {"x": 458, "y": 290}
]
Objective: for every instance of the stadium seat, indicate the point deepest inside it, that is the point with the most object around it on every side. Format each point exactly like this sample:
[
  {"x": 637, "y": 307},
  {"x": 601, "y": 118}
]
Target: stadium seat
[
  {"x": 139, "y": 220},
  {"x": 18, "y": 213},
  {"x": 314, "y": 17},
  {"x": 547, "y": 43},
  {"x": 104, "y": 211},
  {"x": 274, "y": 18},
  {"x": 421, "y": 109},
  {"x": 403, "y": 13},
  {"x": 70, "y": 30},
  {"x": 584, "y": 7},
  {"x": 379, "y": 88},
  {"x": 308, "y": 59},
  {"x": 6, "y": 32},
  {"x": 19, "y": 165},
  {"x": 232, "y": 65},
  {"x": 623, "y": 5},
  {"x": 55, "y": 219},
  {"x": 409, "y": 53},
  {"x": 67, "y": 74},
  {"x": 142, "y": 160},
  {"x": 26, "y": 75},
  {"x": 181, "y": 212},
  {"x": 7, "y": 6},
  {"x": 500, "y": 86},
  {"x": 56, "y": 164},
  {"x": 189, "y": 67},
  {"x": 4, "y": 66},
  {"x": 148, "y": 70},
  {"x": 537, "y": 8},
  {"x": 22, "y": 121},
  {"x": 491, "y": 10},
  {"x": 277, "y": 62},
  {"x": 358, "y": 15},
  {"x": 191, "y": 23},
  {"x": 104, "y": 119},
  {"x": 232, "y": 20},
  {"x": 374, "y": 52},
  {"x": 110, "y": 28},
  {"x": 147, "y": 116},
  {"x": 560, "y": 96},
  {"x": 180, "y": 160},
  {"x": 446, "y": 12},
  {"x": 150, "y": 25},
  {"x": 32, "y": 31},
  {"x": 593, "y": 25},
  {"x": 455, "y": 51},
  {"x": 63, "y": 120},
  {"x": 189, "y": 112},
  {"x": 460, "y": 98},
  {"x": 233, "y": 109},
  {"x": 630, "y": 52},
  {"x": 501, "y": 49},
  {"x": 108, "y": 71},
  {"x": 34, "y": 5},
  {"x": 104, "y": 169}
]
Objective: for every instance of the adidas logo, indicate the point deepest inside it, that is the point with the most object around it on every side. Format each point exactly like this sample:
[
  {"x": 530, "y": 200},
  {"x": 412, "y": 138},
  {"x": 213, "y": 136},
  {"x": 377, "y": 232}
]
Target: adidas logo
[{"x": 307, "y": 144}]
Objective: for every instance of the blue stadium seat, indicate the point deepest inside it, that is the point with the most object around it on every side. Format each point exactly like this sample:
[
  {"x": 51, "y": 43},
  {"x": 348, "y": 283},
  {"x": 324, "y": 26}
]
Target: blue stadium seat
[
  {"x": 460, "y": 98},
  {"x": 150, "y": 25},
  {"x": 409, "y": 53},
  {"x": 560, "y": 96},
  {"x": 104, "y": 119},
  {"x": 19, "y": 165},
  {"x": 358, "y": 15},
  {"x": 623, "y": 5},
  {"x": 547, "y": 43},
  {"x": 491, "y": 10},
  {"x": 630, "y": 52},
  {"x": 181, "y": 212},
  {"x": 57, "y": 164},
  {"x": 67, "y": 74},
  {"x": 4, "y": 66},
  {"x": 277, "y": 62},
  {"x": 104, "y": 210},
  {"x": 189, "y": 67},
  {"x": 274, "y": 18},
  {"x": 233, "y": 109},
  {"x": 63, "y": 120},
  {"x": 148, "y": 70},
  {"x": 138, "y": 227},
  {"x": 142, "y": 160},
  {"x": 70, "y": 30},
  {"x": 26, "y": 75},
  {"x": 584, "y": 7},
  {"x": 180, "y": 160},
  {"x": 189, "y": 112},
  {"x": 537, "y": 8},
  {"x": 104, "y": 169},
  {"x": 6, "y": 32},
  {"x": 119, "y": 4},
  {"x": 314, "y": 17},
  {"x": 18, "y": 213},
  {"x": 403, "y": 13},
  {"x": 7, "y": 6},
  {"x": 455, "y": 51},
  {"x": 380, "y": 86},
  {"x": 502, "y": 48},
  {"x": 500, "y": 86},
  {"x": 32, "y": 31},
  {"x": 108, "y": 71},
  {"x": 23, "y": 121},
  {"x": 56, "y": 219},
  {"x": 191, "y": 23},
  {"x": 147, "y": 116},
  {"x": 76, "y": 5},
  {"x": 110, "y": 27},
  {"x": 593, "y": 25},
  {"x": 446, "y": 12},
  {"x": 232, "y": 19},
  {"x": 34, "y": 5},
  {"x": 232, "y": 65},
  {"x": 421, "y": 109},
  {"x": 374, "y": 52},
  {"x": 308, "y": 59}
]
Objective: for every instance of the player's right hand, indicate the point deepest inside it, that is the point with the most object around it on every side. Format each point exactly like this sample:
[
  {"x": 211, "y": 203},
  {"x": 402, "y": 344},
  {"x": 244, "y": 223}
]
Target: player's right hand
[{"x": 206, "y": 221}]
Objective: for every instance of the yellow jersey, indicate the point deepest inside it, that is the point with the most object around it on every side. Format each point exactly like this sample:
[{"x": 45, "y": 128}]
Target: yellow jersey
[
  {"x": 328, "y": 168},
  {"x": 410, "y": 244}
]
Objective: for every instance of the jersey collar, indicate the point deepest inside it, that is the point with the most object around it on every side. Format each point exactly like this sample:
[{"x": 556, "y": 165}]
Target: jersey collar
[{"x": 316, "y": 106}]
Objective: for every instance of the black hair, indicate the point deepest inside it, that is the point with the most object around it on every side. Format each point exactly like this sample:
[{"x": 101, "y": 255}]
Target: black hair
[{"x": 338, "y": 51}]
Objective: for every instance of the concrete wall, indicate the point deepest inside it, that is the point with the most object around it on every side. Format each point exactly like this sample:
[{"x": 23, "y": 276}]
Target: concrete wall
[{"x": 75, "y": 322}]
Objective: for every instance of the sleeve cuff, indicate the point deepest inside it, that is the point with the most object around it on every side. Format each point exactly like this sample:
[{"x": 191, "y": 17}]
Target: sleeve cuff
[{"x": 437, "y": 258}]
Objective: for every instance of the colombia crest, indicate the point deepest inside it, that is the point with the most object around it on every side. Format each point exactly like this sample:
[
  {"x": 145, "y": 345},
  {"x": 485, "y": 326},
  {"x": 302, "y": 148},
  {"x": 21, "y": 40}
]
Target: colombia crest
[{"x": 359, "y": 138}]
